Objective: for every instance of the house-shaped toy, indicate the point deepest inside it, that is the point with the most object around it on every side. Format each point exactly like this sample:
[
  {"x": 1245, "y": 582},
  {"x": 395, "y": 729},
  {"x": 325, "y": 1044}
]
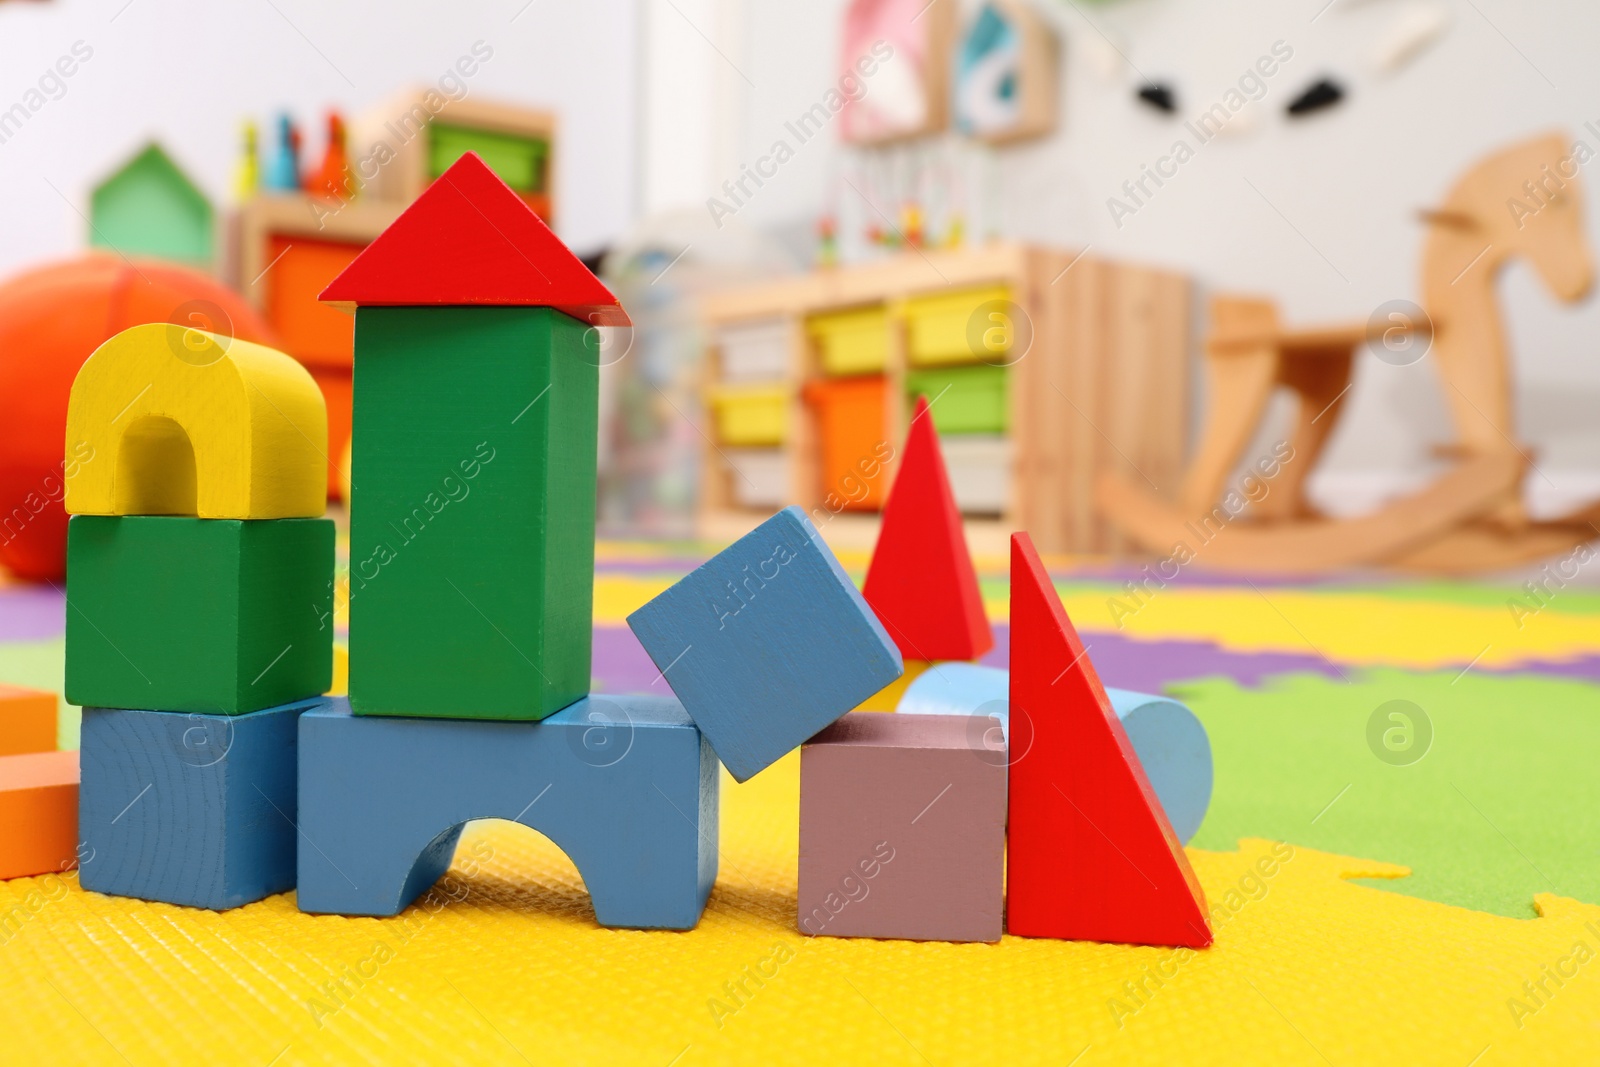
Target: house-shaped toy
[
  {"x": 149, "y": 207},
  {"x": 473, "y": 457}
]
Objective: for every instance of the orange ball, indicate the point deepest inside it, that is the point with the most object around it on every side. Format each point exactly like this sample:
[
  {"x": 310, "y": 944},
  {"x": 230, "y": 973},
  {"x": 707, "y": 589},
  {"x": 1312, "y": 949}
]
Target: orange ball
[{"x": 51, "y": 319}]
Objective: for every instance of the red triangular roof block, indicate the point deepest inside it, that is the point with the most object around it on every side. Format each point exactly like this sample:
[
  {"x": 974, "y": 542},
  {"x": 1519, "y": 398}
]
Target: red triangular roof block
[
  {"x": 1090, "y": 854},
  {"x": 468, "y": 239},
  {"x": 920, "y": 582}
]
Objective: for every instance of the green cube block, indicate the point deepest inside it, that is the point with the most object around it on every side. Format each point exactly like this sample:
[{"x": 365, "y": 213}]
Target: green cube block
[
  {"x": 222, "y": 616},
  {"x": 472, "y": 511}
]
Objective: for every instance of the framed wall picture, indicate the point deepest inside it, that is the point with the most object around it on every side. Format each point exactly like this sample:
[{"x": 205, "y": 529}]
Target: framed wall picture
[
  {"x": 906, "y": 45},
  {"x": 1006, "y": 69}
]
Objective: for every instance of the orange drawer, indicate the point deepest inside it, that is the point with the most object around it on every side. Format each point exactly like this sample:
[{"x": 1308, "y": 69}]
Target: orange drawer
[
  {"x": 309, "y": 330},
  {"x": 850, "y": 427},
  {"x": 335, "y": 384}
]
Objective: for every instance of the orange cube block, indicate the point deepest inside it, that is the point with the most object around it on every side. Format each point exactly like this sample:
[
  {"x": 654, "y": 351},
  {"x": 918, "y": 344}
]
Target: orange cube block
[
  {"x": 27, "y": 720},
  {"x": 38, "y": 813}
]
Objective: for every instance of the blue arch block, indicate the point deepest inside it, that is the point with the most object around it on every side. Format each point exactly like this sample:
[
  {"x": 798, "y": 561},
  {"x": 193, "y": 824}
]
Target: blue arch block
[
  {"x": 1170, "y": 741},
  {"x": 625, "y": 786}
]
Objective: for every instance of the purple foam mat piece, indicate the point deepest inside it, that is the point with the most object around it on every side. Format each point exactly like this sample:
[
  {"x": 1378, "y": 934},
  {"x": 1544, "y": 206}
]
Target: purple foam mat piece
[
  {"x": 621, "y": 664},
  {"x": 1149, "y": 666},
  {"x": 672, "y": 567},
  {"x": 32, "y": 613}
]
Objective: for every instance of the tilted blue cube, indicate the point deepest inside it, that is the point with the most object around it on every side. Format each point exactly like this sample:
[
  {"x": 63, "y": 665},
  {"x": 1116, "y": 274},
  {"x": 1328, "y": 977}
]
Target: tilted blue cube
[{"x": 767, "y": 642}]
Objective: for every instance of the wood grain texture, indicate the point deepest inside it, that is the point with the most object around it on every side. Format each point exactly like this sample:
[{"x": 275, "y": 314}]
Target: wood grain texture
[
  {"x": 921, "y": 583},
  {"x": 220, "y": 616},
  {"x": 472, "y": 523},
  {"x": 189, "y": 809},
  {"x": 902, "y": 828},
  {"x": 1090, "y": 853},
  {"x": 767, "y": 642},
  {"x": 38, "y": 813},
  {"x": 27, "y": 720},
  {"x": 469, "y": 240},
  {"x": 626, "y": 786},
  {"x": 185, "y": 422}
]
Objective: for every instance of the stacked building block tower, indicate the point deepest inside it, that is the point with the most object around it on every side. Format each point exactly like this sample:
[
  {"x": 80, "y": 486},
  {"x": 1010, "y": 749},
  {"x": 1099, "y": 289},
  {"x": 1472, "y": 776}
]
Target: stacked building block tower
[
  {"x": 200, "y": 625},
  {"x": 200, "y": 603}
]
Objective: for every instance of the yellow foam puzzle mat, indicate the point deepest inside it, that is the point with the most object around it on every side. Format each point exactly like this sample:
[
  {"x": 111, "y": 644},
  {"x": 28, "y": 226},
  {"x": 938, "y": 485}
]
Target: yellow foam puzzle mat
[{"x": 502, "y": 963}]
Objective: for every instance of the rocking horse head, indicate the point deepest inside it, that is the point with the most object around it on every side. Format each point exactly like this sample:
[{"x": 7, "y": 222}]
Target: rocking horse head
[{"x": 1525, "y": 200}]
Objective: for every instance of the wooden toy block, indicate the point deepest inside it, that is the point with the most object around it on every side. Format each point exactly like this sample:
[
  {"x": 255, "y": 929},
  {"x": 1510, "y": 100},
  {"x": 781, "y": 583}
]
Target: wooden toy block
[
  {"x": 626, "y": 786},
  {"x": 38, "y": 813},
  {"x": 223, "y": 616},
  {"x": 1090, "y": 853},
  {"x": 767, "y": 642},
  {"x": 27, "y": 720},
  {"x": 921, "y": 583},
  {"x": 484, "y": 525},
  {"x": 902, "y": 828},
  {"x": 1168, "y": 738},
  {"x": 470, "y": 240},
  {"x": 185, "y": 422},
  {"x": 196, "y": 810}
]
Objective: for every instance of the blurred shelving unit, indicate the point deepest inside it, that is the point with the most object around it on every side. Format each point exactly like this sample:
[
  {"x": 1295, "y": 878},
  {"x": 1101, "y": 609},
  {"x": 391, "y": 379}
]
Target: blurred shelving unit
[{"x": 1044, "y": 367}]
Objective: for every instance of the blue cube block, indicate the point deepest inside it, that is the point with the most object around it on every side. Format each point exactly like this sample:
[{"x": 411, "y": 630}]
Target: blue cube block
[
  {"x": 187, "y": 808},
  {"x": 625, "y": 786},
  {"x": 767, "y": 643}
]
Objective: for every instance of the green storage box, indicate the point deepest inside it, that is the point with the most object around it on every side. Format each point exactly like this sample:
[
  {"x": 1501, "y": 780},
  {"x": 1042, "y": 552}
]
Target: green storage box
[
  {"x": 222, "y": 616},
  {"x": 969, "y": 399},
  {"x": 519, "y": 161}
]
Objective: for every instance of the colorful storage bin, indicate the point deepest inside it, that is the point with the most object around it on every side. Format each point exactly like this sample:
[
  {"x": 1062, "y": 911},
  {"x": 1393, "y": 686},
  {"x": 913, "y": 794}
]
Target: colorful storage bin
[
  {"x": 760, "y": 477},
  {"x": 850, "y": 429},
  {"x": 979, "y": 466},
  {"x": 852, "y": 342},
  {"x": 941, "y": 328},
  {"x": 754, "y": 351},
  {"x": 521, "y": 162},
  {"x": 965, "y": 399},
  {"x": 751, "y": 414}
]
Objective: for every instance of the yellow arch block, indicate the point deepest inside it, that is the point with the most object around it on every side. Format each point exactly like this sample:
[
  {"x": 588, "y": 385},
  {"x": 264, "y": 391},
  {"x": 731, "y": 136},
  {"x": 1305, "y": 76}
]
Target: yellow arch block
[{"x": 168, "y": 420}]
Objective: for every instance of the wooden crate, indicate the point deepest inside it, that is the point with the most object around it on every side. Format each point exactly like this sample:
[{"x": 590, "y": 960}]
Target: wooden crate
[
  {"x": 418, "y": 143},
  {"x": 1101, "y": 383}
]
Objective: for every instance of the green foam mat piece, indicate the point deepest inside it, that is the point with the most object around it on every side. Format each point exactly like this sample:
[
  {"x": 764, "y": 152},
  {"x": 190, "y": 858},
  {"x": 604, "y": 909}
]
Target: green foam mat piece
[{"x": 1504, "y": 804}]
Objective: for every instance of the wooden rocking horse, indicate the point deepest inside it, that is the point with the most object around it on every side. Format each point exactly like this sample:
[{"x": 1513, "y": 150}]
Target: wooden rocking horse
[{"x": 1471, "y": 519}]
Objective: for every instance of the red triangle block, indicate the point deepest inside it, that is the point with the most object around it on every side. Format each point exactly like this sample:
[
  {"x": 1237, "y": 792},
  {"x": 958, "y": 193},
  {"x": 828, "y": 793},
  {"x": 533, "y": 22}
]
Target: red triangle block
[
  {"x": 1090, "y": 854},
  {"x": 468, "y": 239},
  {"x": 920, "y": 582}
]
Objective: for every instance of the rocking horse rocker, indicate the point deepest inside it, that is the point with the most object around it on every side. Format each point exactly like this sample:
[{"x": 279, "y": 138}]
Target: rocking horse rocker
[{"x": 1472, "y": 518}]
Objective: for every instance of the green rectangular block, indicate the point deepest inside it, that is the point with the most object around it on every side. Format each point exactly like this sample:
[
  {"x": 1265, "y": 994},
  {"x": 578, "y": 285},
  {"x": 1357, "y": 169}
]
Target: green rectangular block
[
  {"x": 472, "y": 512},
  {"x": 218, "y": 616}
]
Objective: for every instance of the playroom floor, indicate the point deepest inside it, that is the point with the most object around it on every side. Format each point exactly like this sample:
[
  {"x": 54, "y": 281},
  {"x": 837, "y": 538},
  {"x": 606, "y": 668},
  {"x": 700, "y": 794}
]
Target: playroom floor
[{"x": 1424, "y": 882}]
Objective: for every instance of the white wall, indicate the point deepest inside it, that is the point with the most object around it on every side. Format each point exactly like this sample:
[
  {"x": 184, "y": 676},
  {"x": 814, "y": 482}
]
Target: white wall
[
  {"x": 187, "y": 72},
  {"x": 1348, "y": 180}
]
